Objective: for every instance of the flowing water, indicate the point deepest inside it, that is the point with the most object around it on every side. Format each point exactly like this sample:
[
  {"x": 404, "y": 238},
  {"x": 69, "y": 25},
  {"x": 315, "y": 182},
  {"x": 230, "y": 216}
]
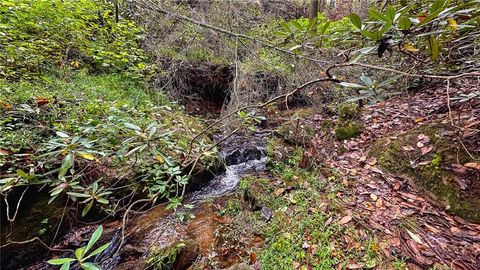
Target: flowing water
[{"x": 244, "y": 155}]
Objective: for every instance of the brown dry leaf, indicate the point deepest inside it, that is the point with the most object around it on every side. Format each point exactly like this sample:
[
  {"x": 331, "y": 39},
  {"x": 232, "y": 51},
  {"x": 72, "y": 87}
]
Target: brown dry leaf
[
  {"x": 397, "y": 185},
  {"x": 253, "y": 257},
  {"x": 5, "y": 105},
  {"x": 373, "y": 197},
  {"x": 345, "y": 220},
  {"x": 41, "y": 101},
  {"x": 426, "y": 150},
  {"x": 425, "y": 162},
  {"x": 455, "y": 230},
  {"x": 353, "y": 172},
  {"x": 379, "y": 203},
  {"x": 473, "y": 165},
  {"x": 296, "y": 265},
  {"x": 415, "y": 237},
  {"x": 4, "y": 152},
  {"x": 279, "y": 192},
  {"x": 407, "y": 148},
  {"x": 372, "y": 161}
]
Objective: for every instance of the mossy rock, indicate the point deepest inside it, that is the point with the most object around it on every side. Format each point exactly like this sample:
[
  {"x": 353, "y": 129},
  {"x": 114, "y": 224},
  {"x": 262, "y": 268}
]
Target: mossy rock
[
  {"x": 345, "y": 130},
  {"x": 255, "y": 191},
  {"x": 432, "y": 172},
  {"x": 348, "y": 111},
  {"x": 296, "y": 132}
]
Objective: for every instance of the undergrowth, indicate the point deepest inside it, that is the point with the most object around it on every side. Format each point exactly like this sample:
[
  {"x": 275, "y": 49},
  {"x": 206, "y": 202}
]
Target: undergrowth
[{"x": 85, "y": 136}]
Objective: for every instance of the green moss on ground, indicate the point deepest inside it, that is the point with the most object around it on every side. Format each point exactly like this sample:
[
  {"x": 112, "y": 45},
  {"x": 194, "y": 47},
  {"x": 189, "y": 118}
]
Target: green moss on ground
[
  {"x": 304, "y": 230},
  {"x": 345, "y": 130},
  {"x": 429, "y": 172}
]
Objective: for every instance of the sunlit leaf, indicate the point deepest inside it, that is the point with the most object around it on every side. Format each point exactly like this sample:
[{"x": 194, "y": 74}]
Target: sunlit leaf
[
  {"x": 87, "y": 208},
  {"x": 132, "y": 126},
  {"x": 86, "y": 156},
  {"x": 390, "y": 13},
  {"x": 453, "y": 24},
  {"x": 351, "y": 85},
  {"x": 90, "y": 266},
  {"x": 410, "y": 48},
  {"x": 60, "y": 261},
  {"x": 67, "y": 163},
  {"x": 404, "y": 23},
  {"x": 434, "y": 47},
  {"x": 95, "y": 236},
  {"x": 375, "y": 14},
  {"x": 356, "y": 20}
]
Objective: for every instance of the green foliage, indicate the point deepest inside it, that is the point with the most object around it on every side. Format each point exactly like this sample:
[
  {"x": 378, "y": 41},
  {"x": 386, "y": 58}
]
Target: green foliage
[
  {"x": 371, "y": 90},
  {"x": 82, "y": 255},
  {"x": 441, "y": 30},
  {"x": 78, "y": 142},
  {"x": 302, "y": 35},
  {"x": 37, "y": 35}
]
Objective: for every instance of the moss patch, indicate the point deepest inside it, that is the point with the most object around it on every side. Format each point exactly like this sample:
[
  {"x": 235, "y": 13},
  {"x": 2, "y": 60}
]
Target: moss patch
[
  {"x": 431, "y": 171},
  {"x": 345, "y": 130}
]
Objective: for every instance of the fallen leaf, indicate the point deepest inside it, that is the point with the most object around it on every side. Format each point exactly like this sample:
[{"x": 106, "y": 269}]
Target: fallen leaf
[
  {"x": 353, "y": 172},
  {"x": 420, "y": 144},
  {"x": 410, "y": 48},
  {"x": 279, "y": 192},
  {"x": 407, "y": 148},
  {"x": 455, "y": 230},
  {"x": 415, "y": 237},
  {"x": 4, "y": 152},
  {"x": 426, "y": 150},
  {"x": 397, "y": 185},
  {"x": 355, "y": 266},
  {"x": 295, "y": 265},
  {"x": 87, "y": 156},
  {"x": 253, "y": 257},
  {"x": 5, "y": 105},
  {"x": 425, "y": 162},
  {"x": 452, "y": 23},
  {"x": 373, "y": 197},
  {"x": 41, "y": 101},
  {"x": 345, "y": 220},
  {"x": 379, "y": 203},
  {"x": 372, "y": 161},
  {"x": 473, "y": 165}
]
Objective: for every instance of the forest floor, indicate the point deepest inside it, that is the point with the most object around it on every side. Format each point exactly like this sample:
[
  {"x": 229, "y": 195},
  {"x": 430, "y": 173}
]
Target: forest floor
[
  {"x": 404, "y": 217},
  {"x": 358, "y": 213}
]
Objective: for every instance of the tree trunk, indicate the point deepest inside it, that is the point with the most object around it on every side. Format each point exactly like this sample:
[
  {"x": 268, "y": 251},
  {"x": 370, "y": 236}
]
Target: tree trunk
[{"x": 313, "y": 9}]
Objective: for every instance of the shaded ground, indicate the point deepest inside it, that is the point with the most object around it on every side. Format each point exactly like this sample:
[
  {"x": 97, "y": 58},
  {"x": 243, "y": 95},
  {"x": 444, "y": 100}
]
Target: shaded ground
[{"x": 408, "y": 222}]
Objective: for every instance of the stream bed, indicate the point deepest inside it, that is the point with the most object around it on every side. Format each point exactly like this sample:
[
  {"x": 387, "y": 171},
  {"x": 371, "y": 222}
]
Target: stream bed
[{"x": 159, "y": 228}]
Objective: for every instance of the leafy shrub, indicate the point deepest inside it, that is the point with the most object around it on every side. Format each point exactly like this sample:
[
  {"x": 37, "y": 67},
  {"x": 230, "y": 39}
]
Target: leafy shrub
[
  {"x": 35, "y": 35},
  {"x": 444, "y": 31},
  {"x": 86, "y": 136}
]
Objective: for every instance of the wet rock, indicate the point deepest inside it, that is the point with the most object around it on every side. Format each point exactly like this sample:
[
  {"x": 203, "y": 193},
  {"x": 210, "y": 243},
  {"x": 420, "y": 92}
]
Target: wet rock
[
  {"x": 240, "y": 156},
  {"x": 187, "y": 256},
  {"x": 178, "y": 256},
  {"x": 267, "y": 214}
]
